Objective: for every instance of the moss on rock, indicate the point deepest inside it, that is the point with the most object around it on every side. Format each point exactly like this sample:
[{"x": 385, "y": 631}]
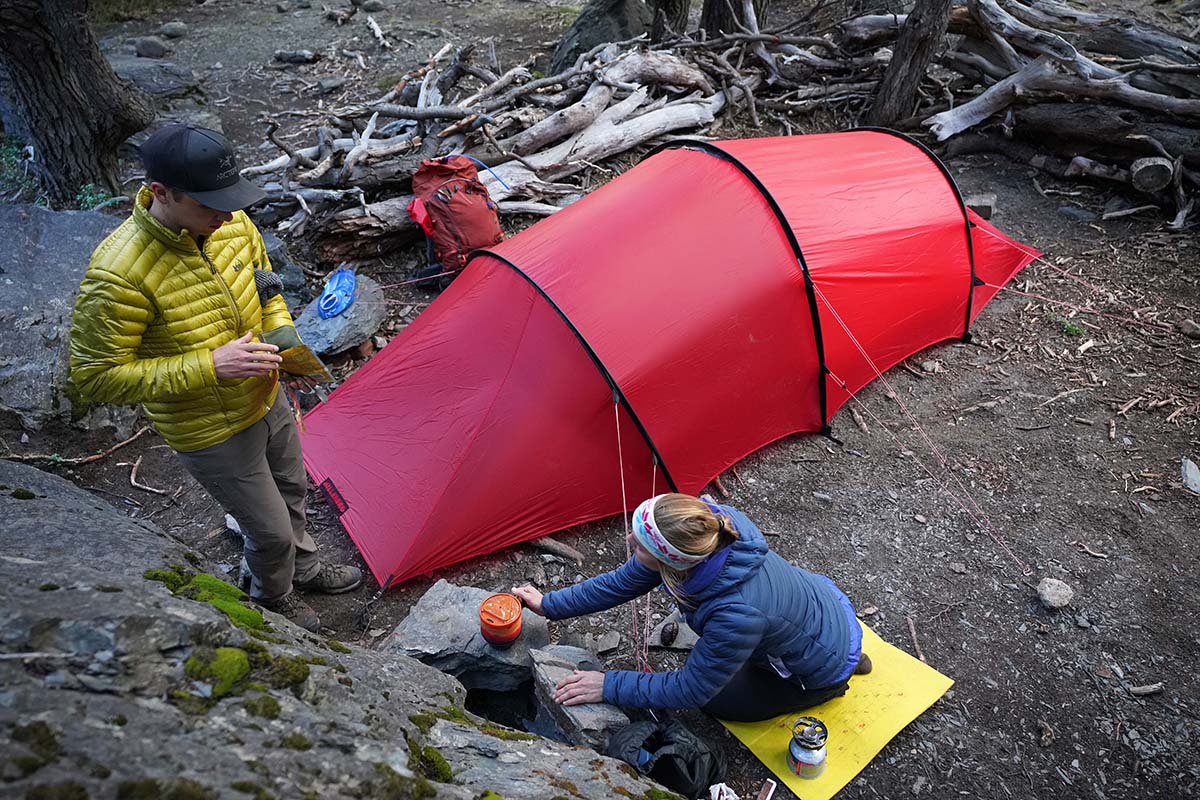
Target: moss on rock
[
  {"x": 212, "y": 590},
  {"x": 295, "y": 741},
  {"x": 263, "y": 706},
  {"x": 39, "y": 739},
  {"x": 67, "y": 790},
  {"x": 287, "y": 672},
  {"x": 224, "y": 668},
  {"x": 337, "y": 646}
]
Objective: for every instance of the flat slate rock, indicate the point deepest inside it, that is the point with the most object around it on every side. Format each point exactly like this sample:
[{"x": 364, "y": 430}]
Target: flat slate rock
[
  {"x": 442, "y": 630},
  {"x": 587, "y": 724}
]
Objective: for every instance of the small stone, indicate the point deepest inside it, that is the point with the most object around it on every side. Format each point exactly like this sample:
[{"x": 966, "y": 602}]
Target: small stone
[
  {"x": 823, "y": 497},
  {"x": 1082, "y": 621},
  {"x": 1190, "y": 329},
  {"x": 1191, "y": 476},
  {"x": 1054, "y": 593},
  {"x": 959, "y": 567},
  {"x": 174, "y": 29},
  {"x": 608, "y": 642},
  {"x": 932, "y": 367},
  {"x": 150, "y": 47},
  {"x": 327, "y": 85},
  {"x": 371, "y": 6},
  {"x": 578, "y": 578},
  {"x": 303, "y": 4},
  {"x": 24, "y": 438},
  {"x": 218, "y": 65},
  {"x": 982, "y": 204},
  {"x": 919, "y": 518},
  {"x": 296, "y": 56},
  {"x": 282, "y": 8}
]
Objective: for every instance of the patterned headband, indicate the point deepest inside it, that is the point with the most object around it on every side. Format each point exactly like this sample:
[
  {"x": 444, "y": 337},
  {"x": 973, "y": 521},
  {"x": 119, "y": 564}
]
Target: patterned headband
[{"x": 646, "y": 531}]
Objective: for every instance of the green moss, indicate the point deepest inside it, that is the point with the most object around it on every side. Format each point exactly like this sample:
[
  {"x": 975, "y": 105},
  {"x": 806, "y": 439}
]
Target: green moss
[
  {"x": 254, "y": 765},
  {"x": 176, "y": 789},
  {"x": 563, "y": 783},
  {"x": 49, "y": 587},
  {"x": 435, "y": 766},
  {"x": 317, "y": 661},
  {"x": 120, "y": 719},
  {"x": 628, "y": 770},
  {"x": 27, "y": 764},
  {"x": 392, "y": 786},
  {"x": 266, "y": 637},
  {"x": 340, "y": 668},
  {"x": 265, "y": 706},
  {"x": 337, "y": 646},
  {"x": 508, "y": 734},
  {"x": 287, "y": 672},
  {"x": 224, "y": 668},
  {"x": 260, "y": 657},
  {"x": 190, "y": 703},
  {"x": 193, "y": 559},
  {"x": 295, "y": 741},
  {"x": 67, "y": 790},
  {"x": 424, "y": 722},
  {"x": 109, "y": 589},
  {"x": 621, "y": 790},
  {"x": 658, "y": 794},
  {"x": 39, "y": 739},
  {"x": 171, "y": 578},
  {"x": 100, "y": 771},
  {"x": 23, "y": 494},
  {"x": 488, "y": 794},
  {"x": 454, "y": 714}
]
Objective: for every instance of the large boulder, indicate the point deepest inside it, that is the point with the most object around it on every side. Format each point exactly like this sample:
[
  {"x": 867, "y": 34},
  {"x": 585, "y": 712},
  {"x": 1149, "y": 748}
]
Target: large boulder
[
  {"x": 128, "y": 671},
  {"x": 43, "y": 260},
  {"x": 442, "y": 630},
  {"x": 162, "y": 80},
  {"x": 295, "y": 289},
  {"x": 587, "y": 724}
]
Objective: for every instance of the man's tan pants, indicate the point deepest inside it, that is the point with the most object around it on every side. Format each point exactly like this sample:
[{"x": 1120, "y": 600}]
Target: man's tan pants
[{"x": 258, "y": 477}]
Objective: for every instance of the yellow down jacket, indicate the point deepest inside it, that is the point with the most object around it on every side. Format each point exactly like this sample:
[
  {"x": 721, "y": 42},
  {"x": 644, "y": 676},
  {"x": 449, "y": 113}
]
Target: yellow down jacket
[{"x": 150, "y": 311}]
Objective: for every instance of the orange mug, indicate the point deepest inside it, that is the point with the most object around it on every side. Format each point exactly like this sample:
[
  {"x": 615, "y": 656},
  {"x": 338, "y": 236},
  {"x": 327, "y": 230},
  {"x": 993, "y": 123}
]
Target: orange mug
[{"x": 500, "y": 619}]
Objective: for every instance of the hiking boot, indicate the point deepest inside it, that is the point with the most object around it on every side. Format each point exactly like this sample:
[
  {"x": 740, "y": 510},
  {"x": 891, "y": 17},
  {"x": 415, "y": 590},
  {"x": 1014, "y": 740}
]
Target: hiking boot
[
  {"x": 332, "y": 579},
  {"x": 864, "y": 665},
  {"x": 295, "y": 610}
]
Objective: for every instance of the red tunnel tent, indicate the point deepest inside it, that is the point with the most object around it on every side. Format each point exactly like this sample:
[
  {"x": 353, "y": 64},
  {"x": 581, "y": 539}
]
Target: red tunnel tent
[{"x": 674, "y": 320}]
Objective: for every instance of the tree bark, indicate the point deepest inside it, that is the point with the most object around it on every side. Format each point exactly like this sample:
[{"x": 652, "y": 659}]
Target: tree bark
[
  {"x": 76, "y": 110},
  {"x": 921, "y": 34},
  {"x": 673, "y": 14},
  {"x": 717, "y": 16}
]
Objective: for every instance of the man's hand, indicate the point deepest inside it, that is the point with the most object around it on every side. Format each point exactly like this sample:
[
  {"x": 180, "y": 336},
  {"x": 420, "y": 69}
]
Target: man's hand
[
  {"x": 243, "y": 358},
  {"x": 580, "y": 687},
  {"x": 531, "y": 598}
]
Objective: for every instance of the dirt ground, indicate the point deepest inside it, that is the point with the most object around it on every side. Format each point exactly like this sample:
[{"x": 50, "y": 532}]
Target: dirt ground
[{"x": 1067, "y": 429}]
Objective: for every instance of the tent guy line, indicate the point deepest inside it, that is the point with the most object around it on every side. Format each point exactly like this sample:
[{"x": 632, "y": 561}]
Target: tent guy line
[{"x": 979, "y": 516}]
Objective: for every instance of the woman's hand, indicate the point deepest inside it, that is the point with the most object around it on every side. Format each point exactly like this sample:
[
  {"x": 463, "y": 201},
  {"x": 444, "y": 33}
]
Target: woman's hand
[
  {"x": 531, "y": 598},
  {"x": 580, "y": 687}
]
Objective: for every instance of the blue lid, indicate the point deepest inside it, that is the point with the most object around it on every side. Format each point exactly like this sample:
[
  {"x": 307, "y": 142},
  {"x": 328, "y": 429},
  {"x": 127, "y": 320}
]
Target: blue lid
[{"x": 337, "y": 295}]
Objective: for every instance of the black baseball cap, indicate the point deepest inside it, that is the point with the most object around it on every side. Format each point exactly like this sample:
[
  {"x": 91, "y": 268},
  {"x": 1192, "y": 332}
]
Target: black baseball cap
[{"x": 200, "y": 163}]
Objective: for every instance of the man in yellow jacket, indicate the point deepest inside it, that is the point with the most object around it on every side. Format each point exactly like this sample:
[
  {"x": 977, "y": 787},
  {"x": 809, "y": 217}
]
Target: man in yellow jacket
[{"x": 168, "y": 316}]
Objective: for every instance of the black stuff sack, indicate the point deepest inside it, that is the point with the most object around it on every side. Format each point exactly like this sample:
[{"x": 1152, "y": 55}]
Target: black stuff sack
[{"x": 671, "y": 754}]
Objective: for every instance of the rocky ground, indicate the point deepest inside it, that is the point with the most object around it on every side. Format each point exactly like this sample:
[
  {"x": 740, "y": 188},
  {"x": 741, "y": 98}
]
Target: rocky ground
[{"x": 1067, "y": 428}]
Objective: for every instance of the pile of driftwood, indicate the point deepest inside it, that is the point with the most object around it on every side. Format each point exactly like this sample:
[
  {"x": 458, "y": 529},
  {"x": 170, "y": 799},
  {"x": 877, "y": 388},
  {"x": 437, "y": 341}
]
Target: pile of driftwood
[{"x": 1071, "y": 92}]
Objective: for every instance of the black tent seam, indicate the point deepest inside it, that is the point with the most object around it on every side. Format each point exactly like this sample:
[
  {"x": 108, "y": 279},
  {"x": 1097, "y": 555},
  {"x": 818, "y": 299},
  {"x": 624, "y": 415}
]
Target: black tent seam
[
  {"x": 617, "y": 393},
  {"x": 781, "y": 218},
  {"x": 961, "y": 204}
]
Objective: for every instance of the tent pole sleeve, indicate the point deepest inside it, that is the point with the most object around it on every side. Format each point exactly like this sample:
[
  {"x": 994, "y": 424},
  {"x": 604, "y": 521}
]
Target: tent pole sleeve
[
  {"x": 973, "y": 282},
  {"x": 781, "y": 218},
  {"x": 612, "y": 383}
]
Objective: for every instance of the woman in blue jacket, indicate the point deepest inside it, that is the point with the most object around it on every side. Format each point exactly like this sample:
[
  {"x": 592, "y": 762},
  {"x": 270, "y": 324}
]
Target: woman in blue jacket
[{"x": 773, "y": 637}]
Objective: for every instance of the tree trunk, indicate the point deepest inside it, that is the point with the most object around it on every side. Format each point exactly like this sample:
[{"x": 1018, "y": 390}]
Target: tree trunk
[
  {"x": 717, "y": 16},
  {"x": 922, "y": 33},
  {"x": 76, "y": 110},
  {"x": 669, "y": 15}
]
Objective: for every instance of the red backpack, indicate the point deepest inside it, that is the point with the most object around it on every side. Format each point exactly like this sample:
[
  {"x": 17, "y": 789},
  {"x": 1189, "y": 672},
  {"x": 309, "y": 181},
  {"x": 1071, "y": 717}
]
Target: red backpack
[{"x": 458, "y": 215}]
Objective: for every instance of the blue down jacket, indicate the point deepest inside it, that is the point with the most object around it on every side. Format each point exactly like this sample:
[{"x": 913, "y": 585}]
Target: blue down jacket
[{"x": 749, "y": 605}]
